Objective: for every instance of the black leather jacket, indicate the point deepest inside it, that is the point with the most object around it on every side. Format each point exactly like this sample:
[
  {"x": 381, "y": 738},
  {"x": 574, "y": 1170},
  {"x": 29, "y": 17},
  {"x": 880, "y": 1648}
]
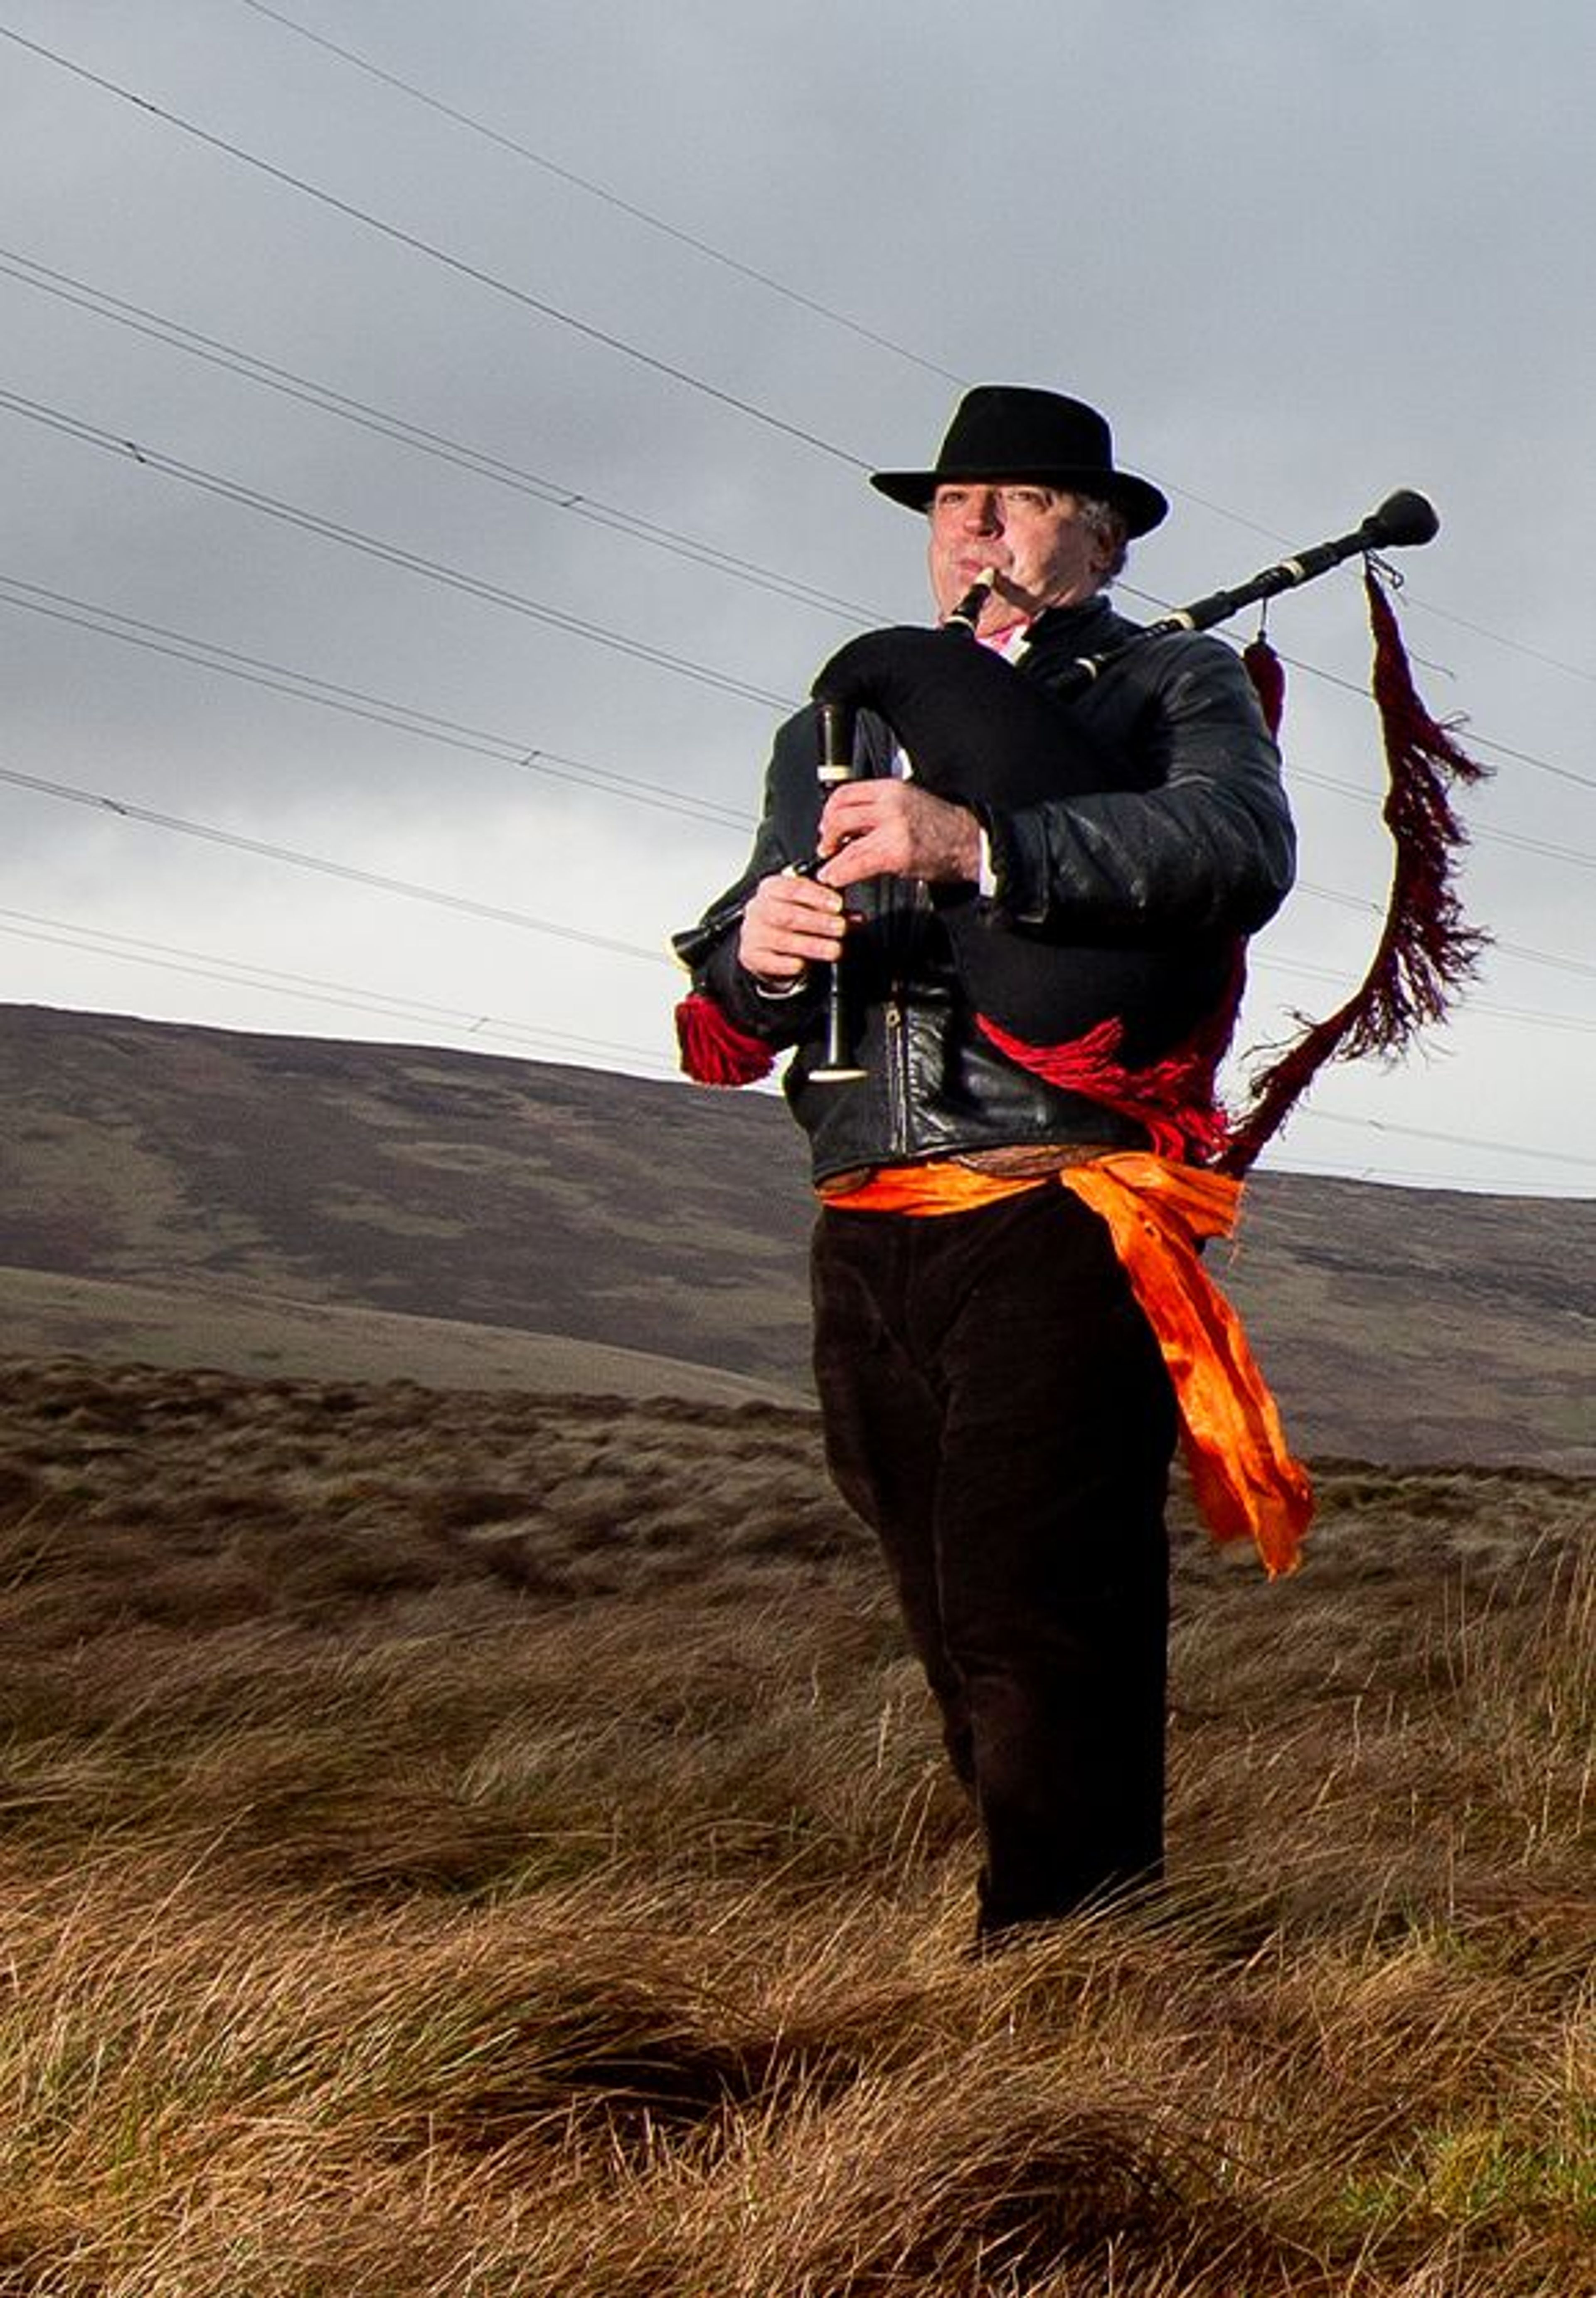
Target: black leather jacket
[{"x": 1185, "y": 847}]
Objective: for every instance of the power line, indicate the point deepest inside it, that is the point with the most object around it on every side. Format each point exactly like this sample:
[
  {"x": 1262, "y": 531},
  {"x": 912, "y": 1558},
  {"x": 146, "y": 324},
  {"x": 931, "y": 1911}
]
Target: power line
[
  {"x": 1267, "y": 963},
  {"x": 510, "y": 751},
  {"x": 1498, "y": 638},
  {"x": 655, "y": 222},
  {"x": 601, "y": 191},
  {"x": 1506, "y": 948},
  {"x": 1505, "y": 836},
  {"x": 206, "y": 965},
  {"x": 154, "y": 638},
  {"x": 381, "y": 710},
  {"x": 100, "y": 800},
  {"x": 505, "y": 287},
  {"x": 211, "y": 834},
  {"x": 397, "y": 428},
  {"x": 391, "y": 553},
  {"x": 384, "y": 424},
  {"x": 314, "y": 989},
  {"x": 463, "y": 904},
  {"x": 418, "y": 245},
  {"x": 1477, "y": 835},
  {"x": 453, "y": 578},
  {"x": 1476, "y": 741},
  {"x": 1452, "y": 1140},
  {"x": 305, "y": 686},
  {"x": 1383, "y": 1177},
  {"x": 1529, "y": 758},
  {"x": 615, "y": 342}
]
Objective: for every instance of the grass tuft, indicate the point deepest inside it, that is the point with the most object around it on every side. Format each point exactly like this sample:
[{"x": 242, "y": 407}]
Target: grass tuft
[{"x": 473, "y": 1847}]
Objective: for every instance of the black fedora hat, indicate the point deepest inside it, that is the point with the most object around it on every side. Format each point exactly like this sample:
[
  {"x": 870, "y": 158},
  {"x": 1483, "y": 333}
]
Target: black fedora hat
[{"x": 1008, "y": 431}]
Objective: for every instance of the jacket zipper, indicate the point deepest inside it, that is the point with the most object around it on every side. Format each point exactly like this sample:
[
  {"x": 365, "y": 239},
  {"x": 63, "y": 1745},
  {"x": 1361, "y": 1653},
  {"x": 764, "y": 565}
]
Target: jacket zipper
[{"x": 897, "y": 1079}]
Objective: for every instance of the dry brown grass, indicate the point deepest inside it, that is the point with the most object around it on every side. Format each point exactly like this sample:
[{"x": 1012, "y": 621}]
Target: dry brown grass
[{"x": 483, "y": 1847}]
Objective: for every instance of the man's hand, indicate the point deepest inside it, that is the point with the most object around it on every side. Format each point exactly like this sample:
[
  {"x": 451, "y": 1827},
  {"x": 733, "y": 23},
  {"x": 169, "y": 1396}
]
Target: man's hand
[
  {"x": 789, "y": 924},
  {"x": 885, "y": 828}
]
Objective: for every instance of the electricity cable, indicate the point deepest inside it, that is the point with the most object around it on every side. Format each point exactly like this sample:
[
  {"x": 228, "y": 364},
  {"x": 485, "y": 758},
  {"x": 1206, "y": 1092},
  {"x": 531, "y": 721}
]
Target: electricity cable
[
  {"x": 383, "y": 423},
  {"x": 615, "y": 342},
  {"x": 647, "y": 216},
  {"x": 1407, "y": 1178},
  {"x": 1506, "y": 948},
  {"x": 397, "y": 428},
  {"x": 233, "y": 490},
  {"x": 1452, "y": 1140},
  {"x": 602, "y": 192},
  {"x": 454, "y": 578},
  {"x": 213, "y": 835},
  {"x": 654, "y": 222},
  {"x": 1266, "y": 964},
  {"x": 480, "y": 462},
  {"x": 391, "y": 553},
  {"x": 1528, "y": 845},
  {"x": 77, "y": 795},
  {"x": 207, "y": 965},
  {"x": 304, "y": 686},
  {"x": 456, "y": 263}
]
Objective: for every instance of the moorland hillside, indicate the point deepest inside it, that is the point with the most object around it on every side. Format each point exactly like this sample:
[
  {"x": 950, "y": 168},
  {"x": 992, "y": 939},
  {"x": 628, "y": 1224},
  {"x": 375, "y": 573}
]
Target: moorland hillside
[{"x": 230, "y": 1188}]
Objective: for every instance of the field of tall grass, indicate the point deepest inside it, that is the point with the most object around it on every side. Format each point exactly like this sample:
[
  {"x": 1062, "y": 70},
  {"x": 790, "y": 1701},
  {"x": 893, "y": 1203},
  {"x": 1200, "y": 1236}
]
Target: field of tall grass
[{"x": 478, "y": 1845}]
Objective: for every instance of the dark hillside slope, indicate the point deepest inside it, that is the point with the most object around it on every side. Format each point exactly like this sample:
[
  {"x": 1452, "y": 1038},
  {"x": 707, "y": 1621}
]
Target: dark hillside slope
[{"x": 1402, "y": 1324}]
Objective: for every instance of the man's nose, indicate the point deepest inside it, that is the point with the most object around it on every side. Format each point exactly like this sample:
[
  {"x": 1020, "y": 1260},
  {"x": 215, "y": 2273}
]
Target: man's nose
[{"x": 983, "y": 511}]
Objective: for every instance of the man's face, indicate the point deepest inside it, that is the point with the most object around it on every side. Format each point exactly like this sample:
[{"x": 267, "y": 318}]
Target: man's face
[{"x": 1043, "y": 555}]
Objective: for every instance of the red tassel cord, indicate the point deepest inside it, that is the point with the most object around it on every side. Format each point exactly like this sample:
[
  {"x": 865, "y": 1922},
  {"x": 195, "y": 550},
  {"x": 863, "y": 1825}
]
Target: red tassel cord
[
  {"x": 714, "y": 1050},
  {"x": 1426, "y": 950},
  {"x": 1174, "y": 1099},
  {"x": 1267, "y": 672}
]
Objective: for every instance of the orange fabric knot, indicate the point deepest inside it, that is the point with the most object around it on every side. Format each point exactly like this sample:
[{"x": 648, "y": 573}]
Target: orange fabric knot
[
  {"x": 1246, "y": 1479},
  {"x": 1246, "y": 1482},
  {"x": 930, "y": 1189}
]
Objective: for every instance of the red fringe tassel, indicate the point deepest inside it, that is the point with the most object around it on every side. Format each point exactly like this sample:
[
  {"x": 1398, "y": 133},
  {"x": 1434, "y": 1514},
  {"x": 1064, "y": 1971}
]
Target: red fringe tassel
[
  {"x": 1267, "y": 672},
  {"x": 714, "y": 1050},
  {"x": 1426, "y": 950},
  {"x": 1173, "y": 1099}
]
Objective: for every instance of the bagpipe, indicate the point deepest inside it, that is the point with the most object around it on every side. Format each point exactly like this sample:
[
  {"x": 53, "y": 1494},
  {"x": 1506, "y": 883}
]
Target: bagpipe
[{"x": 981, "y": 733}]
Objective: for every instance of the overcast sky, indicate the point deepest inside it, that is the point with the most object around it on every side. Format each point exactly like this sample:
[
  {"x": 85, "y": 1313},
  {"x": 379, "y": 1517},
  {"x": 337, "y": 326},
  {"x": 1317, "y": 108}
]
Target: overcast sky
[{"x": 695, "y": 268}]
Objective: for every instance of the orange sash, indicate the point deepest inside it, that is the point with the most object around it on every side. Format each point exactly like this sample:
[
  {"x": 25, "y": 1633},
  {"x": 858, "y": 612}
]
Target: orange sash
[{"x": 1245, "y": 1480}]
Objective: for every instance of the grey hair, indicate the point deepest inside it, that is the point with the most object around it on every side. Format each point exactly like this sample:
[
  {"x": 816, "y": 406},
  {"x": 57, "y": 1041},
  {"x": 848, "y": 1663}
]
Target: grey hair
[{"x": 1107, "y": 528}]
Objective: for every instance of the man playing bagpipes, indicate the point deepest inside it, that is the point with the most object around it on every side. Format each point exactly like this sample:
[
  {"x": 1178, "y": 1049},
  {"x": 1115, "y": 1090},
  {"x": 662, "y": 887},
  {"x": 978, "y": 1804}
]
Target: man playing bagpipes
[{"x": 1021, "y": 906}]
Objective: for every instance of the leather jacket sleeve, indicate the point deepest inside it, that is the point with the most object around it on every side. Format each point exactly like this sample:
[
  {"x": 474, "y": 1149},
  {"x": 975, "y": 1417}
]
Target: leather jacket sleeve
[
  {"x": 786, "y": 832},
  {"x": 1205, "y": 842}
]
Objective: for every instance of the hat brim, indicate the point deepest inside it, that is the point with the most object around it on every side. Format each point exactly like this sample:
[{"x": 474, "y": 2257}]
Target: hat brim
[{"x": 1138, "y": 502}]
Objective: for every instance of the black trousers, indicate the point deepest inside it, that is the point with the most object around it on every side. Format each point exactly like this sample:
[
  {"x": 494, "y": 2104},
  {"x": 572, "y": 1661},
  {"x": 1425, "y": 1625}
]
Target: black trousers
[{"x": 996, "y": 1408}]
